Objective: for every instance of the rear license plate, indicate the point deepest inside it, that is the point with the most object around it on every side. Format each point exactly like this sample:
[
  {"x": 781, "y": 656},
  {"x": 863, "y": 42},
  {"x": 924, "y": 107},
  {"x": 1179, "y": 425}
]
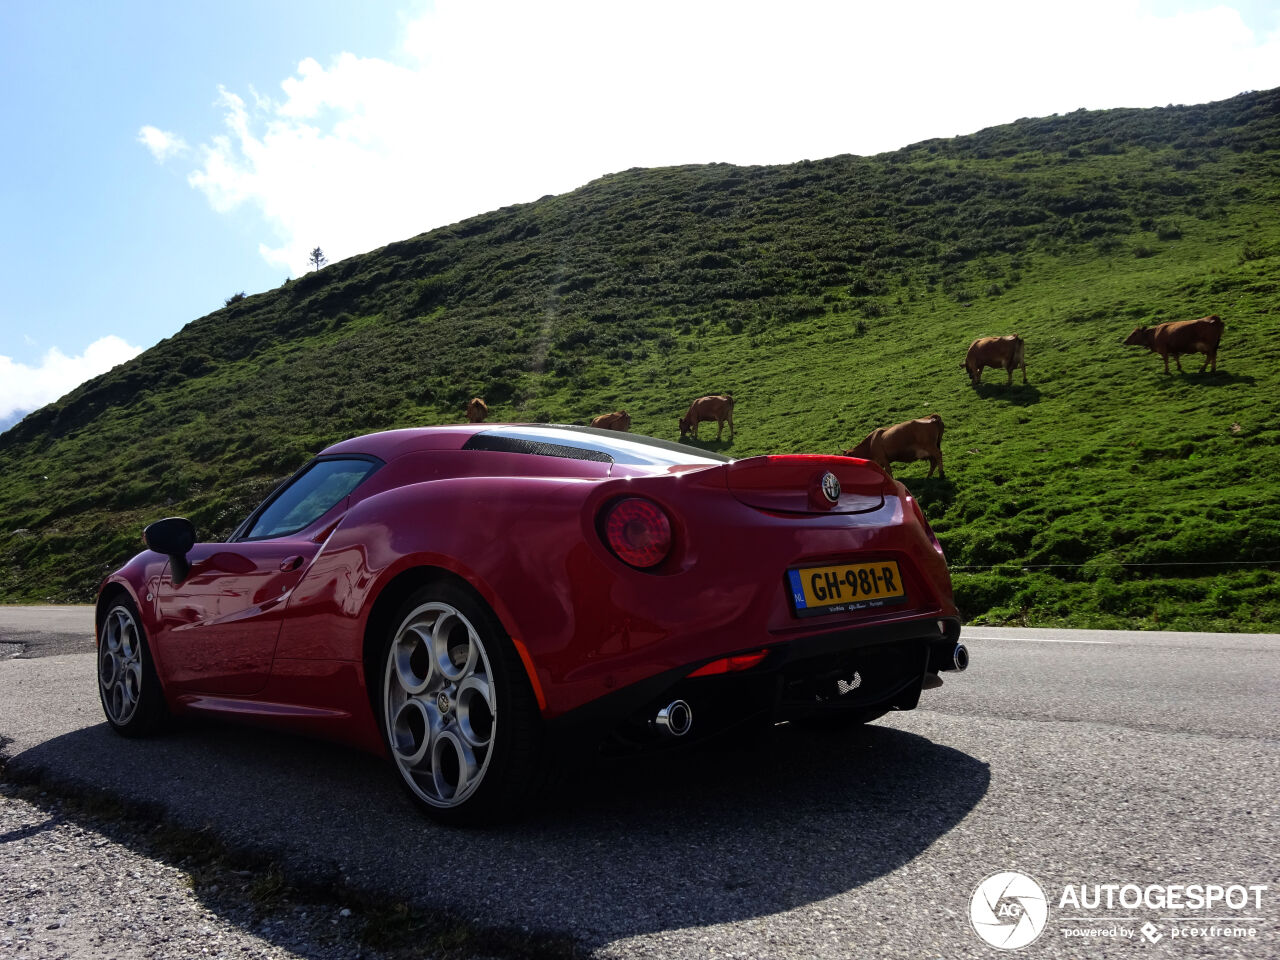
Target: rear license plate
[{"x": 816, "y": 591}]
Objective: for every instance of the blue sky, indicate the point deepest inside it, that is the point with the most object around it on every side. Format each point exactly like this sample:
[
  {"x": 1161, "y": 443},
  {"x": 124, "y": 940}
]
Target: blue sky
[
  {"x": 162, "y": 156},
  {"x": 100, "y": 239}
]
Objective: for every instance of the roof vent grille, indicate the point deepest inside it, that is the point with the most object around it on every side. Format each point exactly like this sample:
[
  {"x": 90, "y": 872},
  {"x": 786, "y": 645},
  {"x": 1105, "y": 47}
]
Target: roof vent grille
[{"x": 489, "y": 441}]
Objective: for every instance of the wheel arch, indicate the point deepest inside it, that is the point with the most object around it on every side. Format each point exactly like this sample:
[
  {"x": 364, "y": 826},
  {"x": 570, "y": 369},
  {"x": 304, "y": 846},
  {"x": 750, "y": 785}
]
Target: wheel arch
[
  {"x": 110, "y": 591},
  {"x": 389, "y": 600}
]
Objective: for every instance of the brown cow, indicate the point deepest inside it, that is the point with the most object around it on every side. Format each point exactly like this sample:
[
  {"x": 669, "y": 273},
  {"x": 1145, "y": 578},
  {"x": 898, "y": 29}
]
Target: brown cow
[
  {"x": 719, "y": 409},
  {"x": 1181, "y": 336},
  {"x": 477, "y": 410},
  {"x": 1000, "y": 353},
  {"x": 618, "y": 420},
  {"x": 904, "y": 443}
]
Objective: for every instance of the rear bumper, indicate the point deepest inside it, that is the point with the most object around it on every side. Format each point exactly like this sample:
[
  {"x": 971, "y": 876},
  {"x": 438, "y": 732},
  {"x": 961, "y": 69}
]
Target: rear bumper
[{"x": 858, "y": 669}]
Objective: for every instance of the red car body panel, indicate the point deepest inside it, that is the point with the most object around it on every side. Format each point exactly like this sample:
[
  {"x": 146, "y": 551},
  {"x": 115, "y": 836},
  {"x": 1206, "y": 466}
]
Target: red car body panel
[{"x": 276, "y": 630}]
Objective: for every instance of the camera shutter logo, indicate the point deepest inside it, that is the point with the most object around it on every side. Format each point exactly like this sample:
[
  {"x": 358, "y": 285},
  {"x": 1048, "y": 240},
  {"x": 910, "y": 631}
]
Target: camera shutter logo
[{"x": 1008, "y": 910}]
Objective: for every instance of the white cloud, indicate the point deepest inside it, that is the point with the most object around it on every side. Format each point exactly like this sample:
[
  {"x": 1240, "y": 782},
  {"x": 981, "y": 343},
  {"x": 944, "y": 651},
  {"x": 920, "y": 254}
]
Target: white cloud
[
  {"x": 501, "y": 102},
  {"x": 25, "y": 388},
  {"x": 162, "y": 144}
]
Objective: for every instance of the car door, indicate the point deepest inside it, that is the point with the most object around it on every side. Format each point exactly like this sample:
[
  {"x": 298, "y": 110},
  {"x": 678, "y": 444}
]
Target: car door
[{"x": 223, "y": 618}]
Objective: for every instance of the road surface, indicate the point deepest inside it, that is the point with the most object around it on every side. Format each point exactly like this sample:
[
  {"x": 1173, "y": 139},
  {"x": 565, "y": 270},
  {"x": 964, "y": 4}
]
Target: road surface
[{"x": 1095, "y": 763}]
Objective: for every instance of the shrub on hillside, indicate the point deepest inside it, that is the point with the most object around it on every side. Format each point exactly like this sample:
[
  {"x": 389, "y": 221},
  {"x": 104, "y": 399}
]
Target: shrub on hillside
[
  {"x": 866, "y": 287},
  {"x": 871, "y": 309}
]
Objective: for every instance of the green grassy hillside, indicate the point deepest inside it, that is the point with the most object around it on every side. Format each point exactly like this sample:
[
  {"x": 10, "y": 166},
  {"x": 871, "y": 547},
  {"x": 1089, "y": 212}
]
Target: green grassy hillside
[{"x": 830, "y": 297}]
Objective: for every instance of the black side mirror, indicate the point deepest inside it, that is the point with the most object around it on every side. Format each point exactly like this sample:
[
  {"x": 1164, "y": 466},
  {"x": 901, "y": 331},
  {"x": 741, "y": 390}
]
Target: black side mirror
[{"x": 174, "y": 537}]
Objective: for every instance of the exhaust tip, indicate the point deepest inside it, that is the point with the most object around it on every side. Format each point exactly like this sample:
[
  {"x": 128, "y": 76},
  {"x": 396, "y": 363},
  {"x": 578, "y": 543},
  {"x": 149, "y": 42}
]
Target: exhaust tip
[
  {"x": 960, "y": 656},
  {"x": 675, "y": 719}
]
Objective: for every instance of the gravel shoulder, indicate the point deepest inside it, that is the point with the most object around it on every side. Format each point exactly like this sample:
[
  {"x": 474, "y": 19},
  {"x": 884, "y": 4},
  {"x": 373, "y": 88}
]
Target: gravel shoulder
[
  {"x": 85, "y": 878},
  {"x": 78, "y": 885}
]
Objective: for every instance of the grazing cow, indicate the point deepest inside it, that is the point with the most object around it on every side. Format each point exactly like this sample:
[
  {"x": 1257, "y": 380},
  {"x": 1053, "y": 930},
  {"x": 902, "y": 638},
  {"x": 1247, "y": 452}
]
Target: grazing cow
[
  {"x": 1182, "y": 336},
  {"x": 477, "y": 410},
  {"x": 618, "y": 420},
  {"x": 904, "y": 442},
  {"x": 1000, "y": 353},
  {"x": 719, "y": 409}
]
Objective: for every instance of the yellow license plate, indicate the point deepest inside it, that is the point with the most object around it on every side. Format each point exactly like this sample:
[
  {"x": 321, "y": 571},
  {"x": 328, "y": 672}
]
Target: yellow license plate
[{"x": 845, "y": 587}]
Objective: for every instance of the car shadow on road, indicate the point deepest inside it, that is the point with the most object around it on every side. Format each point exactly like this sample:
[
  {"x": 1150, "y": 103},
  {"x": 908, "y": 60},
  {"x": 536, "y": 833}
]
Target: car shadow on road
[{"x": 619, "y": 849}]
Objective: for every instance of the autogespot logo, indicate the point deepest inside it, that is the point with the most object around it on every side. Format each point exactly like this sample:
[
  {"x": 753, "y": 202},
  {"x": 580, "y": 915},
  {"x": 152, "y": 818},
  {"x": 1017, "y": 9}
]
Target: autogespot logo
[{"x": 1008, "y": 910}]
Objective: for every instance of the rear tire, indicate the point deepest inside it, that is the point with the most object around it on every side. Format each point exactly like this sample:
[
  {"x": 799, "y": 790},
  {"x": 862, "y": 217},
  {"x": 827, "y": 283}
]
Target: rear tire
[
  {"x": 458, "y": 715},
  {"x": 128, "y": 685}
]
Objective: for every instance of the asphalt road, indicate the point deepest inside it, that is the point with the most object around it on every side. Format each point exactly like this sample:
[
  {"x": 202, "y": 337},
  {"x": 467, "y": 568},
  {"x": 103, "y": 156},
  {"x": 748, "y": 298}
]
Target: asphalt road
[{"x": 1073, "y": 757}]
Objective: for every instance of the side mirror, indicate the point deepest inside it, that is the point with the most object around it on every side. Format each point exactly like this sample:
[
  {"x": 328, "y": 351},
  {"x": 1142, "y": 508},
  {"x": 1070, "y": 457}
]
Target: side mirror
[{"x": 174, "y": 537}]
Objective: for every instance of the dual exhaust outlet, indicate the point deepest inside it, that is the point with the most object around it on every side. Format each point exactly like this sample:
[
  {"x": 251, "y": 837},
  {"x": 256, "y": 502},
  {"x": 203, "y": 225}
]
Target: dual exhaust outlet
[
  {"x": 941, "y": 659},
  {"x": 676, "y": 718}
]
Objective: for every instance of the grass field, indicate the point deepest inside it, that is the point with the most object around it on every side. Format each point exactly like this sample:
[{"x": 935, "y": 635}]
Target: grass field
[{"x": 829, "y": 297}]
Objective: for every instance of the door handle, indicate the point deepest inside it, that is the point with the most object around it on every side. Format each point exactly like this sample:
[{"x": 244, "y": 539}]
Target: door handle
[{"x": 290, "y": 563}]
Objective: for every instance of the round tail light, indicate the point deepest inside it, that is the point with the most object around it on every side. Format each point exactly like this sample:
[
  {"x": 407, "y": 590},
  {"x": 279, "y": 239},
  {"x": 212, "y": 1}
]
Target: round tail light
[{"x": 638, "y": 531}]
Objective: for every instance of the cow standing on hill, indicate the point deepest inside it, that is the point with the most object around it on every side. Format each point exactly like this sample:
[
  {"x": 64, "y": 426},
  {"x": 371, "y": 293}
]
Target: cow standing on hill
[
  {"x": 904, "y": 443},
  {"x": 618, "y": 420},
  {"x": 719, "y": 409},
  {"x": 1001, "y": 353},
  {"x": 477, "y": 410},
  {"x": 1182, "y": 336}
]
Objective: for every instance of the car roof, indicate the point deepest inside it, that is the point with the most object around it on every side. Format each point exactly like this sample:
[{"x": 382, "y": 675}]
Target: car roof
[
  {"x": 615, "y": 446},
  {"x": 390, "y": 444}
]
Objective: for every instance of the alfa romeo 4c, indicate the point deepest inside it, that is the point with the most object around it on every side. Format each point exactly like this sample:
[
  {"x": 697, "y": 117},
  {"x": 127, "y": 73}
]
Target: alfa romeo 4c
[{"x": 465, "y": 600}]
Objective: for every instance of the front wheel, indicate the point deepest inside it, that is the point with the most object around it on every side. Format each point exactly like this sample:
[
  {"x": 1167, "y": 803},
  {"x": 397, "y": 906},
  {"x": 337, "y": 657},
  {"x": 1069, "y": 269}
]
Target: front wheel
[
  {"x": 127, "y": 682},
  {"x": 458, "y": 714}
]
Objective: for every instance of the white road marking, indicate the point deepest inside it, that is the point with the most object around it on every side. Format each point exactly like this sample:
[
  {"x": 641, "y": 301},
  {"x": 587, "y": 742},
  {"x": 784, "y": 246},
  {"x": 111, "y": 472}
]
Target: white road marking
[{"x": 967, "y": 636}]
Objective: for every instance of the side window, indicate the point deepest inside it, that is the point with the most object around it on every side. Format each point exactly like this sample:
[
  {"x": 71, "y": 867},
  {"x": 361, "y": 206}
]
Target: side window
[{"x": 309, "y": 497}]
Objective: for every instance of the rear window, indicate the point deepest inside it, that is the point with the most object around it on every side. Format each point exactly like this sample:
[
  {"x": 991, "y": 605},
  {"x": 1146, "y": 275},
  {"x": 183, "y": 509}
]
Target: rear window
[{"x": 587, "y": 443}]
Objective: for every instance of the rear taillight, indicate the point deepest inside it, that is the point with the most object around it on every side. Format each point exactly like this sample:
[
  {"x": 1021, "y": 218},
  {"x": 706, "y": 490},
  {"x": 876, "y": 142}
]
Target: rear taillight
[{"x": 637, "y": 531}]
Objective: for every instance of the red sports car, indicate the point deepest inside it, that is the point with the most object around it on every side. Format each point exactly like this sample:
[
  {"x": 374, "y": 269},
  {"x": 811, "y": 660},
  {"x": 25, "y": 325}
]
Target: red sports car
[{"x": 461, "y": 599}]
